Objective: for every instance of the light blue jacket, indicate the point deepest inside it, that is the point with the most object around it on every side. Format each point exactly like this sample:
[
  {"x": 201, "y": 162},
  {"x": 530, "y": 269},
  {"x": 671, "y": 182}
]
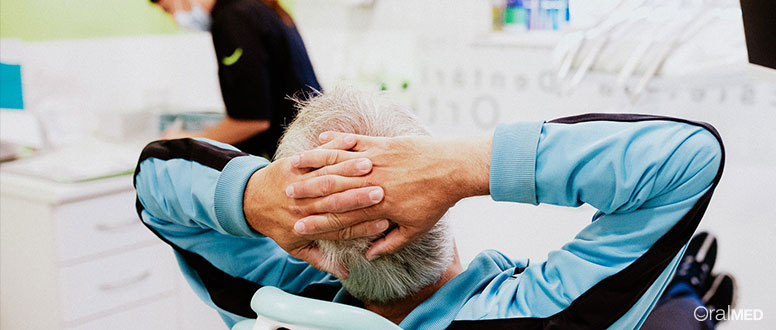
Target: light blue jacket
[{"x": 651, "y": 179}]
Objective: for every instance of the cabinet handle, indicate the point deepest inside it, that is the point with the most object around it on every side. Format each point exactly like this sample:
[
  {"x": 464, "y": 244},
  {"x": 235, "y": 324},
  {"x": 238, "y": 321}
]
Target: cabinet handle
[
  {"x": 125, "y": 282},
  {"x": 111, "y": 227}
]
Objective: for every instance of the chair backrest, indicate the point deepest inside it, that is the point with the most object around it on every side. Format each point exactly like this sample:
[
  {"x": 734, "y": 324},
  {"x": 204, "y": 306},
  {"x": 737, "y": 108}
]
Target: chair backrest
[{"x": 277, "y": 309}]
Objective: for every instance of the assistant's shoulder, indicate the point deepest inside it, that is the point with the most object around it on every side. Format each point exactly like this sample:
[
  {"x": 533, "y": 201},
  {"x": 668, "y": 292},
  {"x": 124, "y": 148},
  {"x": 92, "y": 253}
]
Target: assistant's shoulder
[{"x": 250, "y": 14}]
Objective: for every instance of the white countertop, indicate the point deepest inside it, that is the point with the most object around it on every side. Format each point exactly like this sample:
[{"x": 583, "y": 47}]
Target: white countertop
[
  {"x": 71, "y": 173},
  {"x": 51, "y": 192}
]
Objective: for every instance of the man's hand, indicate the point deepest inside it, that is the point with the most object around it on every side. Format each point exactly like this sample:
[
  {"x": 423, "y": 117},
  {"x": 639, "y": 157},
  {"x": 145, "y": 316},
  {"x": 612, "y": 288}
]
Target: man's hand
[
  {"x": 422, "y": 178},
  {"x": 271, "y": 212}
]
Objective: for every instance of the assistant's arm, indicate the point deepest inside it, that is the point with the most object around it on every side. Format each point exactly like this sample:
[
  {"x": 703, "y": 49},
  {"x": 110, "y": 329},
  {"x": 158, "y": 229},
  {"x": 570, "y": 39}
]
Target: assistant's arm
[{"x": 228, "y": 131}]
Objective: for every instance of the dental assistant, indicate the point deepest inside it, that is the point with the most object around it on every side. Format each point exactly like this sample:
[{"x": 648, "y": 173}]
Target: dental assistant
[{"x": 261, "y": 61}]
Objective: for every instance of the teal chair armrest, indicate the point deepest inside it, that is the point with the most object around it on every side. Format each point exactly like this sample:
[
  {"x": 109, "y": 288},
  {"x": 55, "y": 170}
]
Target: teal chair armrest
[
  {"x": 244, "y": 325},
  {"x": 272, "y": 304}
]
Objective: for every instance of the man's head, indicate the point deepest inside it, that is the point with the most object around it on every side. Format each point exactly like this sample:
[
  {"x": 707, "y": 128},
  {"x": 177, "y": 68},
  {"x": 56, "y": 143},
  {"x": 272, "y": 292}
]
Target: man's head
[{"x": 390, "y": 277}]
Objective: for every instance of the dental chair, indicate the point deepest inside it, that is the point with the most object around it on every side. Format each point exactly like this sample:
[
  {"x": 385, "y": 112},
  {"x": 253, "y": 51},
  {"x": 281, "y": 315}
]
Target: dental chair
[{"x": 277, "y": 309}]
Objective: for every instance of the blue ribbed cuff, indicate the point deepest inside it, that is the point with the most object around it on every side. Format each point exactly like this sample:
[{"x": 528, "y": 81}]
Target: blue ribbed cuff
[
  {"x": 513, "y": 162},
  {"x": 229, "y": 194}
]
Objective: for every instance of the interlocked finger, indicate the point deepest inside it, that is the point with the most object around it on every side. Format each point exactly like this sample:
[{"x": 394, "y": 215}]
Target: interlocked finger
[
  {"x": 348, "y": 200},
  {"x": 318, "y": 158},
  {"x": 391, "y": 243},
  {"x": 345, "y": 141},
  {"x": 353, "y": 167},
  {"x": 337, "y": 140},
  {"x": 327, "y": 185},
  {"x": 320, "y": 226},
  {"x": 364, "y": 229}
]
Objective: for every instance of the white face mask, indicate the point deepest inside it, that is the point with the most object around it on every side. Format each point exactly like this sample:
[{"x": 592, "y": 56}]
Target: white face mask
[{"x": 195, "y": 19}]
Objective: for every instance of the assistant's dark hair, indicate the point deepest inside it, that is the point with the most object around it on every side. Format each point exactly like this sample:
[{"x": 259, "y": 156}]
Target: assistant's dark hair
[{"x": 278, "y": 9}]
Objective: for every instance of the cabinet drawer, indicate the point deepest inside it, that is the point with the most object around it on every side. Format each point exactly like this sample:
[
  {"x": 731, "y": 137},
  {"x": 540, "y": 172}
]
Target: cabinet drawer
[
  {"x": 90, "y": 227},
  {"x": 113, "y": 283},
  {"x": 155, "y": 315}
]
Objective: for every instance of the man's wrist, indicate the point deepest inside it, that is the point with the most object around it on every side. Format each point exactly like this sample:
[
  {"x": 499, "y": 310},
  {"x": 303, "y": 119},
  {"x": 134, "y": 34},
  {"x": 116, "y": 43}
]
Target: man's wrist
[
  {"x": 513, "y": 162},
  {"x": 471, "y": 161},
  {"x": 252, "y": 202},
  {"x": 230, "y": 194}
]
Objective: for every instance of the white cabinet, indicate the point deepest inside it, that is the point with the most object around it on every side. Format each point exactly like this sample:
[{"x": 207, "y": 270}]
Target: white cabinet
[
  {"x": 109, "y": 222},
  {"x": 111, "y": 283},
  {"x": 76, "y": 256},
  {"x": 151, "y": 315}
]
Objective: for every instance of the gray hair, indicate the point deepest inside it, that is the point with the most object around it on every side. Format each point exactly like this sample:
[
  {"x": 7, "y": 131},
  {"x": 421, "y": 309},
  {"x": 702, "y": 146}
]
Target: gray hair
[{"x": 393, "y": 276}]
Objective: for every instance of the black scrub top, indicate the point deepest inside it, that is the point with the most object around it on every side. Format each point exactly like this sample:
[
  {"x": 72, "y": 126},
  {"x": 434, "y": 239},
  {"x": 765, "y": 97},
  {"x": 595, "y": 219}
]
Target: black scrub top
[{"x": 261, "y": 61}]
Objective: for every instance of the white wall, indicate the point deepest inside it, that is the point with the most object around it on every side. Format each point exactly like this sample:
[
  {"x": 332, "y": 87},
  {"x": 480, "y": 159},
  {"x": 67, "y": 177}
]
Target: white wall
[{"x": 128, "y": 73}]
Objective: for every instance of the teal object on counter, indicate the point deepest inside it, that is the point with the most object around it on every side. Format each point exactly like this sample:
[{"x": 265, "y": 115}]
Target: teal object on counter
[
  {"x": 273, "y": 304},
  {"x": 11, "y": 86},
  {"x": 190, "y": 121}
]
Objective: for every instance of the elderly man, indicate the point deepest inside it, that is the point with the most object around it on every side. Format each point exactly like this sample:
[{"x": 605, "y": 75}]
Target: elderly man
[{"x": 372, "y": 205}]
